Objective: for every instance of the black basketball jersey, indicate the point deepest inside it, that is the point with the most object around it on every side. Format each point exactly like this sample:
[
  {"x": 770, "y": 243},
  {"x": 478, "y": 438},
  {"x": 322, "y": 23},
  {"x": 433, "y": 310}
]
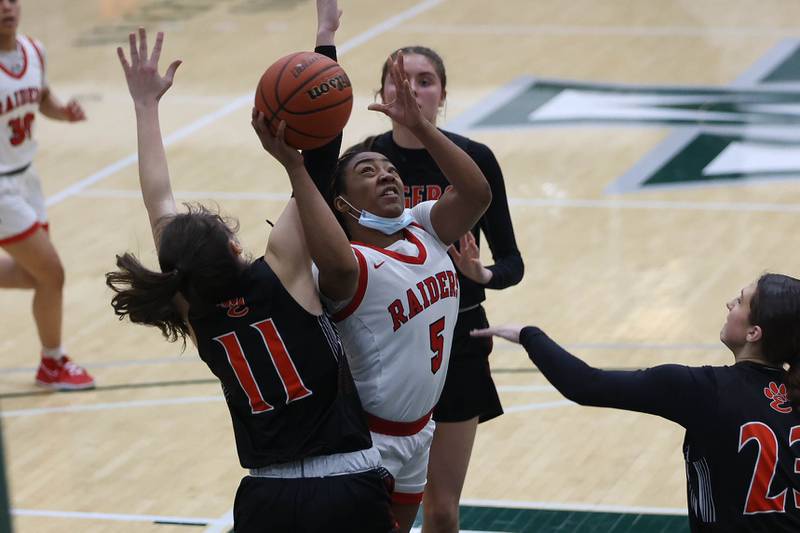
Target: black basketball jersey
[
  {"x": 742, "y": 444},
  {"x": 743, "y": 456},
  {"x": 424, "y": 180},
  {"x": 283, "y": 372}
]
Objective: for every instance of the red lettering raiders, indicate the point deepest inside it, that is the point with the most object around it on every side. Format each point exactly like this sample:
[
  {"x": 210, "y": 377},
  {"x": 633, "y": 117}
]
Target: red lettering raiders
[{"x": 397, "y": 329}]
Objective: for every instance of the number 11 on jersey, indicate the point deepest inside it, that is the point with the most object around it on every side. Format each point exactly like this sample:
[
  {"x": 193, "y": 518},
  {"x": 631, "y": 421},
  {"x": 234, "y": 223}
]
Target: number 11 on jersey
[{"x": 276, "y": 350}]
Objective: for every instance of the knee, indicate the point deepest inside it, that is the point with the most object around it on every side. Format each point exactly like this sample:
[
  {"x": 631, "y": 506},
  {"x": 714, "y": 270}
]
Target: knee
[
  {"x": 442, "y": 517},
  {"x": 53, "y": 276}
]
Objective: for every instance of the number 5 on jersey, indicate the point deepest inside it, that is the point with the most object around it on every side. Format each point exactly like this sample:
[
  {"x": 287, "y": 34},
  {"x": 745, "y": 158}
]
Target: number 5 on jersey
[{"x": 287, "y": 372}]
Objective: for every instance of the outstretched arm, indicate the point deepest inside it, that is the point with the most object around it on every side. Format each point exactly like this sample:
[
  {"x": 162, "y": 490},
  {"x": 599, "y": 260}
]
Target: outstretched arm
[
  {"x": 147, "y": 87},
  {"x": 317, "y": 233},
  {"x": 460, "y": 207},
  {"x": 679, "y": 393}
]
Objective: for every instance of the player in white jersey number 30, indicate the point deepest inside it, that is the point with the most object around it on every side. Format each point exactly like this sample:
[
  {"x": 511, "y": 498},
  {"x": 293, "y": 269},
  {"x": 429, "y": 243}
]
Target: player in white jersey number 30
[{"x": 31, "y": 261}]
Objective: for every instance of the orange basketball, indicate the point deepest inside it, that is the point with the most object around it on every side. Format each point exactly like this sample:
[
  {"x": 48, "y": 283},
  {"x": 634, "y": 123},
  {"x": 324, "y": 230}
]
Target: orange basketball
[{"x": 311, "y": 92}]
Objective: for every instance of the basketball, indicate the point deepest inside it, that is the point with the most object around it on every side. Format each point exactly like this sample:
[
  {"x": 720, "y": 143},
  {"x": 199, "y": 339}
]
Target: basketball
[{"x": 311, "y": 92}]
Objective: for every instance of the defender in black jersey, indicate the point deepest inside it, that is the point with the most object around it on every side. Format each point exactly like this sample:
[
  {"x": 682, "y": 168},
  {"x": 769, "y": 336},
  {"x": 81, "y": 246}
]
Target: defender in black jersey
[
  {"x": 259, "y": 326},
  {"x": 469, "y": 395},
  {"x": 742, "y": 444}
]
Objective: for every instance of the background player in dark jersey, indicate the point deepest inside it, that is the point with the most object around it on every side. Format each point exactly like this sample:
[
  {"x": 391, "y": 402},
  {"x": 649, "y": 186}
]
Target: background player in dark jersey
[
  {"x": 469, "y": 394},
  {"x": 259, "y": 326},
  {"x": 742, "y": 444}
]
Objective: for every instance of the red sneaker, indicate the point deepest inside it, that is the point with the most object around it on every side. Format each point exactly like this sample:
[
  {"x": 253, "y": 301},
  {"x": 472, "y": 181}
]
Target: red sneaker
[{"x": 63, "y": 374}]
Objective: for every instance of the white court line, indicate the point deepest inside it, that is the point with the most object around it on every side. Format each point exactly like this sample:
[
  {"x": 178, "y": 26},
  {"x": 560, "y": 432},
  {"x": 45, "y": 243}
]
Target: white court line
[
  {"x": 554, "y": 29},
  {"x": 238, "y": 103},
  {"x": 602, "y": 203},
  {"x": 112, "y": 516},
  {"x": 537, "y": 406},
  {"x": 559, "y": 506},
  {"x": 109, "y": 406},
  {"x": 222, "y": 524}
]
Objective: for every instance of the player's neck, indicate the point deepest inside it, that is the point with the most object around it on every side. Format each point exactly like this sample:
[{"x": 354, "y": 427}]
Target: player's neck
[
  {"x": 8, "y": 42},
  {"x": 403, "y": 138},
  {"x": 373, "y": 237},
  {"x": 750, "y": 354}
]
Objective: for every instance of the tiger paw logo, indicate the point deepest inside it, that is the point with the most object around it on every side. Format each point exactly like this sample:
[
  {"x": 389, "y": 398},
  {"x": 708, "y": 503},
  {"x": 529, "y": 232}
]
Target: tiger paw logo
[
  {"x": 777, "y": 393},
  {"x": 236, "y": 307}
]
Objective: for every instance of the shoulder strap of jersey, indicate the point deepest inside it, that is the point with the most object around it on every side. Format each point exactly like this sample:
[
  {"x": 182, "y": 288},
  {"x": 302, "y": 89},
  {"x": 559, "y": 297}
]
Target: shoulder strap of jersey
[
  {"x": 38, "y": 50},
  {"x": 363, "y": 278}
]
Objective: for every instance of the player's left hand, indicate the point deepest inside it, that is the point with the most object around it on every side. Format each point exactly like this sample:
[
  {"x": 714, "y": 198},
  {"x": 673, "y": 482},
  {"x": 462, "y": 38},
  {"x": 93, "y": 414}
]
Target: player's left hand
[
  {"x": 509, "y": 333},
  {"x": 468, "y": 259},
  {"x": 404, "y": 109},
  {"x": 73, "y": 111},
  {"x": 145, "y": 84}
]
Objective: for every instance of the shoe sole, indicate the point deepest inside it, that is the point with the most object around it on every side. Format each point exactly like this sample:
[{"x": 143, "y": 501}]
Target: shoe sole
[{"x": 64, "y": 387}]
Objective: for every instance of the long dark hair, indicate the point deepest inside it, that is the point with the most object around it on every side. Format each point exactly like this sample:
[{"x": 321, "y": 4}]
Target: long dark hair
[
  {"x": 196, "y": 261},
  {"x": 775, "y": 308}
]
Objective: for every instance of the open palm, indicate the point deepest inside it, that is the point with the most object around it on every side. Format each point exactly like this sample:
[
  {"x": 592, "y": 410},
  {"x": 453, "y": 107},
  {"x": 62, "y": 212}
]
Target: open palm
[{"x": 144, "y": 82}]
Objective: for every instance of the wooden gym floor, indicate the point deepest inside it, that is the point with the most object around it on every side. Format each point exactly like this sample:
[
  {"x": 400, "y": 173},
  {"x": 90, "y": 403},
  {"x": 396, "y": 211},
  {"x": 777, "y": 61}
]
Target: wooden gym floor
[{"x": 651, "y": 166}]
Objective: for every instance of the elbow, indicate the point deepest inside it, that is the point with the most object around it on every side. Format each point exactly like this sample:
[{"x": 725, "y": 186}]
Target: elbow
[{"x": 483, "y": 195}]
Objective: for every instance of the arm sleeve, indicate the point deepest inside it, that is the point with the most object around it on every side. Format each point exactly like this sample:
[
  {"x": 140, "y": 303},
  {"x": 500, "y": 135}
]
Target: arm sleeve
[
  {"x": 678, "y": 393},
  {"x": 321, "y": 162},
  {"x": 422, "y": 215},
  {"x": 508, "y": 267}
]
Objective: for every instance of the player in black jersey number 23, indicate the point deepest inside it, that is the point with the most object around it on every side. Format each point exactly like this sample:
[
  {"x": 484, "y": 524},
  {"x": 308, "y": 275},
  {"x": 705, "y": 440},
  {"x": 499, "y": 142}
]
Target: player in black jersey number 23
[{"x": 742, "y": 444}]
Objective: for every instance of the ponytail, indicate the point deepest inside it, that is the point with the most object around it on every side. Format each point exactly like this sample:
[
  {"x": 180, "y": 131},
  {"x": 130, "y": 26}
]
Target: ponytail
[
  {"x": 792, "y": 380},
  {"x": 147, "y": 297}
]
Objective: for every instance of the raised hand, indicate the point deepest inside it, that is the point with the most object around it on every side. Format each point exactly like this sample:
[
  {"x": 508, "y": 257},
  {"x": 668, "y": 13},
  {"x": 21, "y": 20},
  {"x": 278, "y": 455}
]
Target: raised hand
[
  {"x": 509, "y": 333},
  {"x": 275, "y": 144},
  {"x": 468, "y": 259},
  {"x": 144, "y": 82},
  {"x": 404, "y": 108},
  {"x": 328, "y": 16}
]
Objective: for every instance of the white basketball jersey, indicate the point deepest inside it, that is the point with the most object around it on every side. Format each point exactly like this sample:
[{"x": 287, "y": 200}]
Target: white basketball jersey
[
  {"x": 398, "y": 328},
  {"x": 20, "y": 93}
]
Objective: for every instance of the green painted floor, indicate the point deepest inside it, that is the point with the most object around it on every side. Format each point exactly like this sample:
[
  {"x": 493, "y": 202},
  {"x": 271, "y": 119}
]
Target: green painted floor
[{"x": 497, "y": 519}]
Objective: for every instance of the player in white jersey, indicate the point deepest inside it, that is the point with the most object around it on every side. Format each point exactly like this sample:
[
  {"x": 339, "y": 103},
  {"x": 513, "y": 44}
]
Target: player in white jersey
[
  {"x": 31, "y": 261},
  {"x": 396, "y": 318}
]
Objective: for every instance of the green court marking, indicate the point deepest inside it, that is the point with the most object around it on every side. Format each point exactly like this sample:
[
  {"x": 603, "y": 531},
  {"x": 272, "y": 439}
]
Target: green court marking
[
  {"x": 5, "y": 513},
  {"x": 497, "y": 519}
]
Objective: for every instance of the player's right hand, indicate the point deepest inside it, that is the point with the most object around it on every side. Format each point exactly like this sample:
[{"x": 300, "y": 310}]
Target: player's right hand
[
  {"x": 144, "y": 82},
  {"x": 275, "y": 144}
]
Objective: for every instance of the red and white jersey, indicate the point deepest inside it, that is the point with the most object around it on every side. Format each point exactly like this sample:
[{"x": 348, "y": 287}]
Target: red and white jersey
[
  {"x": 21, "y": 84},
  {"x": 397, "y": 329}
]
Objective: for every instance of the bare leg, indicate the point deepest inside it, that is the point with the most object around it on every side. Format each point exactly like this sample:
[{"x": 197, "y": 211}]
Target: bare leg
[
  {"x": 36, "y": 260},
  {"x": 405, "y": 513},
  {"x": 447, "y": 469}
]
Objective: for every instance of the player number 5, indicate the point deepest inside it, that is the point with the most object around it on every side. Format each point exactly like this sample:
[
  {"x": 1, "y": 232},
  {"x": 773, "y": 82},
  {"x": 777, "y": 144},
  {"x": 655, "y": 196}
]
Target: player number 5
[{"x": 437, "y": 344}]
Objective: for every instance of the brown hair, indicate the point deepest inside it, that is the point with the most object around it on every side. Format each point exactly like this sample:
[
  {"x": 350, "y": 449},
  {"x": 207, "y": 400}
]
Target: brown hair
[{"x": 775, "y": 308}]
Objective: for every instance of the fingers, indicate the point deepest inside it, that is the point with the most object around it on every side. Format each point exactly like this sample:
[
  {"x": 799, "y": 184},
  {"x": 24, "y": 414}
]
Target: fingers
[
  {"x": 486, "y": 332},
  {"x": 75, "y": 111},
  {"x": 281, "y": 133},
  {"x": 126, "y": 67},
  {"x": 381, "y": 108},
  {"x": 170, "y": 74},
  {"x": 157, "y": 47},
  {"x": 142, "y": 44},
  {"x": 134, "y": 50}
]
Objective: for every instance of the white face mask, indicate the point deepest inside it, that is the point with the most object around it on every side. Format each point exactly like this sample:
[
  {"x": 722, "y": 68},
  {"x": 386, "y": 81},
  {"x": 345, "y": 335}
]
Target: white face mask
[{"x": 387, "y": 226}]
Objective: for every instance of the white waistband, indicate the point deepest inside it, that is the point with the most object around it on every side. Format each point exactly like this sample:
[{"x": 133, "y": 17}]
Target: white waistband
[{"x": 339, "y": 464}]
